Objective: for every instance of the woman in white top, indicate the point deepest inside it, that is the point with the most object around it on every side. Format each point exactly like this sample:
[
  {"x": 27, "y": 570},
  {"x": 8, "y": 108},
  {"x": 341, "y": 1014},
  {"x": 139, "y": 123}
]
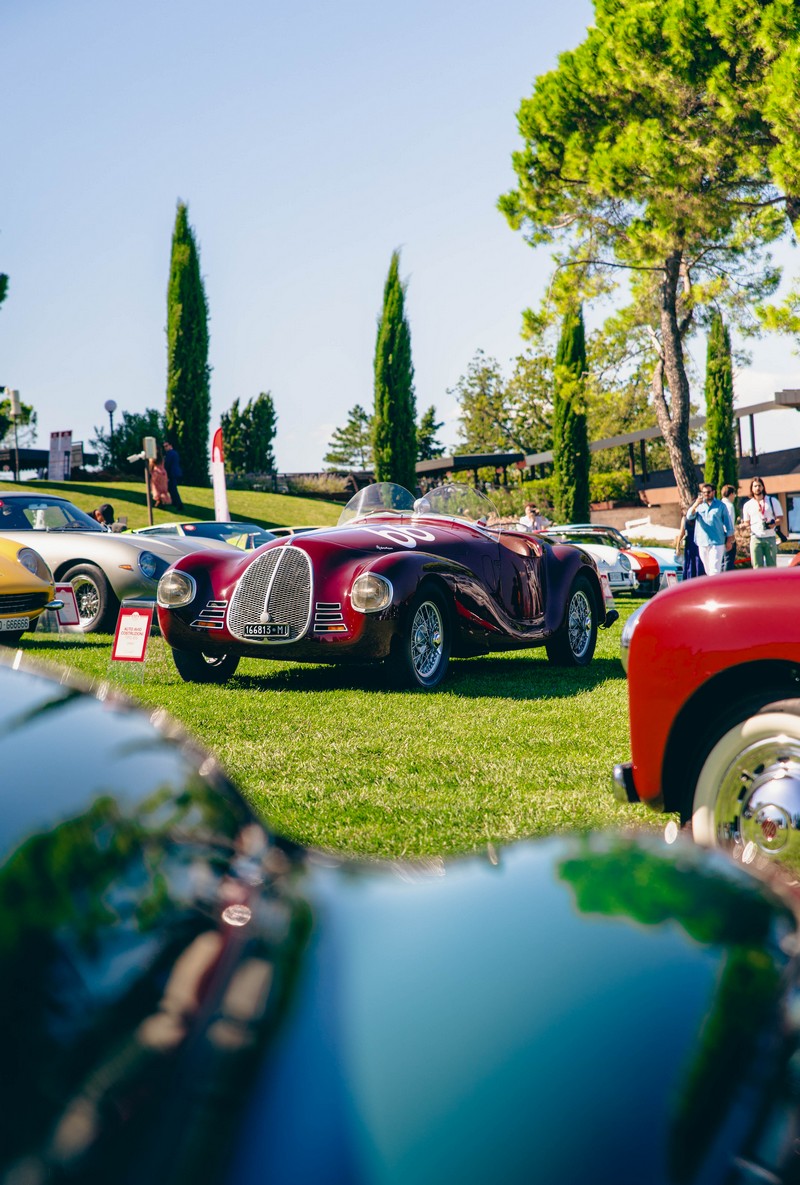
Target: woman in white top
[{"x": 762, "y": 513}]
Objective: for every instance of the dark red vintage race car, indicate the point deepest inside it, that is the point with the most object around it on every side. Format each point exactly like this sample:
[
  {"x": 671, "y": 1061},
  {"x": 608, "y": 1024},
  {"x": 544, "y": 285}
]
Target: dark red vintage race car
[{"x": 398, "y": 579}]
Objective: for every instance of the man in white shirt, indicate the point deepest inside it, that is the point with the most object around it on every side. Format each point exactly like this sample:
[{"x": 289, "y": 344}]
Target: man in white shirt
[
  {"x": 532, "y": 520},
  {"x": 728, "y": 495}
]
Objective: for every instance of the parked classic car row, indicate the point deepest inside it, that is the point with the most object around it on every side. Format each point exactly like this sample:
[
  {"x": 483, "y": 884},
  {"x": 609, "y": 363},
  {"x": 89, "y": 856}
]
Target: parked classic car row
[
  {"x": 630, "y": 566},
  {"x": 402, "y": 580},
  {"x": 186, "y": 997}
]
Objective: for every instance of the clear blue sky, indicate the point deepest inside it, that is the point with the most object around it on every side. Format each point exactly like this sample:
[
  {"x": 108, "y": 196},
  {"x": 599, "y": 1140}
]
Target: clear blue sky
[{"x": 309, "y": 141}]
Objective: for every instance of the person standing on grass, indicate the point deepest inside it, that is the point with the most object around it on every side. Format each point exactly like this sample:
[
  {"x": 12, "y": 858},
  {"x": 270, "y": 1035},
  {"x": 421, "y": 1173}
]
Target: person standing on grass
[
  {"x": 172, "y": 464},
  {"x": 712, "y": 530},
  {"x": 728, "y": 495},
  {"x": 763, "y": 514}
]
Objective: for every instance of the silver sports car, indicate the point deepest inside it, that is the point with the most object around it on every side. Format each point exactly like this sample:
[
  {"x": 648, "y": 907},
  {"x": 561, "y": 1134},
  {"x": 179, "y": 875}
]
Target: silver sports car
[{"x": 103, "y": 568}]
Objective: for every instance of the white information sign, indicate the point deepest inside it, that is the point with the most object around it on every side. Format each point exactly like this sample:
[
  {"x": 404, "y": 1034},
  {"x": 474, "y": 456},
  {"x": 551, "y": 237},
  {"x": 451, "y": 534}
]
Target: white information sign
[
  {"x": 131, "y": 637},
  {"x": 69, "y": 615}
]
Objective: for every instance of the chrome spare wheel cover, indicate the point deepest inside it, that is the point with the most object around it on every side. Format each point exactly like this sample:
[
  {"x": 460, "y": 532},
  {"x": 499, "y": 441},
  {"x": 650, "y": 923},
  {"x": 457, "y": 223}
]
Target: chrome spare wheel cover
[
  {"x": 579, "y": 623},
  {"x": 426, "y": 639},
  {"x": 759, "y": 799}
]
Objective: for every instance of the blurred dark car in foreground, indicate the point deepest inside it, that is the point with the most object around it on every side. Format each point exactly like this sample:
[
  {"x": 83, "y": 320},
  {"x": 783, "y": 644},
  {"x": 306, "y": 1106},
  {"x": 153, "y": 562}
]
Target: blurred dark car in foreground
[{"x": 187, "y": 998}]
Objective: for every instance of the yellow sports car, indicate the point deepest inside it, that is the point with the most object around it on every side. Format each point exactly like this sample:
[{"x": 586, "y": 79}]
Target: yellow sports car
[{"x": 26, "y": 588}]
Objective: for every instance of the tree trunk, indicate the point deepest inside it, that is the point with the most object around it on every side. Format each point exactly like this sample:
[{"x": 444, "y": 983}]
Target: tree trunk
[{"x": 673, "y": 416}]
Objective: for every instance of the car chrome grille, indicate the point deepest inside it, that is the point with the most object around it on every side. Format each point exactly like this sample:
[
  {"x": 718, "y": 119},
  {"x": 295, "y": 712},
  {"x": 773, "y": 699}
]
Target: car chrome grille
[
  {"x": 277, "y": 583},
  {"x": 22, "y": 602}
]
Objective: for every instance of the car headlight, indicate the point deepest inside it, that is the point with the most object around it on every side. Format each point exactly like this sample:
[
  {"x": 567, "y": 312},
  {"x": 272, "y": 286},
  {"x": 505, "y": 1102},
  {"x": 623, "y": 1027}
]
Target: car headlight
[
  {"x": 175, "y": 589},
  {"x": 31, "y": 560},
  {"x": 624, "y": 563},
  {"x": 627, "y": 634},
  {"x": 370, "y": 593},
  {"x": 633, "y": 562},
  {"x": 148, "y": 564}
]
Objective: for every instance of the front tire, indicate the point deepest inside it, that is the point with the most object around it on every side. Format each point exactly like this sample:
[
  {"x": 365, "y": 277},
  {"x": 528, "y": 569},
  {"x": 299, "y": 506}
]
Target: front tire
[
  {"x": 97, "y": 602},
  {"x": 422, "y": 651},
  {"x": 572, "y": 645},
  {"x": 196, "y": 667},
  {"x": 748, "y": 785}
]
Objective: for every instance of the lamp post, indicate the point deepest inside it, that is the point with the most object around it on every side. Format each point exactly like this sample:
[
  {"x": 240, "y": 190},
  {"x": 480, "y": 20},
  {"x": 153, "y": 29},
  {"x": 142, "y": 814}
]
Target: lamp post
[
  {"x": 15, "y": 413},
  {"x": 110, "y": 406}
]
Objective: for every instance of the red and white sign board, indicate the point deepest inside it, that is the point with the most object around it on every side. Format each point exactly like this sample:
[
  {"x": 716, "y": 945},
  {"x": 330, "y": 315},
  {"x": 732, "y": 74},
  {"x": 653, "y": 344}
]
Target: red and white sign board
[
  {"x": 672, "y": 578},
  {"x": 131, "y": 637},
  {"x": 69, "y": 615}
]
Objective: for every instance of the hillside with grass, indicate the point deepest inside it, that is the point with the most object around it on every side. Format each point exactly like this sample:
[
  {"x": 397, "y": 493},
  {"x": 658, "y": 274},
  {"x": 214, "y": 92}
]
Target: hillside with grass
[{"x": 129, "y": 499}]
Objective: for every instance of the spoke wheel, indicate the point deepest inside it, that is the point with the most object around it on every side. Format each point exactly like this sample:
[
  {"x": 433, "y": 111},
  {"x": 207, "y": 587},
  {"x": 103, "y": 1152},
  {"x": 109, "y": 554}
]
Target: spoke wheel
[
  {"x": 573, "y": 644},
  {"x": 196, "y": 667},
  {"x": 422, "y": 651},
  {"x": 747, "y": 793},
  {"x": 97, "y": 604}
]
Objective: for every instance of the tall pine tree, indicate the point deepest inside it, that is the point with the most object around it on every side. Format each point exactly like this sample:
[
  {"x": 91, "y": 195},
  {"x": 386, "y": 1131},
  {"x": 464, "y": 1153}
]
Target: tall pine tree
[
  {"x": 722, "y": 467},
  {"x": 570, "y": 437},
  {"x": 263, "y": 421},
  {"x": 351, "y": 446},
  {"x": 428, "y": 446},
  {"x": 188, "y": 396},
  {"x": 394, "y": 426}
]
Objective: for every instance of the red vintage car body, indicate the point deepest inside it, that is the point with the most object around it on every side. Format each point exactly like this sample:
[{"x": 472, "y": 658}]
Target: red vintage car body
[
  {"x": 697, "y": 656},
  {"x": 500, "y": 589}
]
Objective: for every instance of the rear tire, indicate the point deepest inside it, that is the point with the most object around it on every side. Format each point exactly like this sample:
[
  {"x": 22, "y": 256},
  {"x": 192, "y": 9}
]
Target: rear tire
[
  {"x": 572, "y": 645},
  {"x": 196, "y": 667},
  {"x": 97, "y": 603},
  {"x": 421, "y": 652}
]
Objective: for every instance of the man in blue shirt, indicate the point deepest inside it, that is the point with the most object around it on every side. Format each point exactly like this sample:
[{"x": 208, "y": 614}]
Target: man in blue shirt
[{"x": 712, "y": 529}]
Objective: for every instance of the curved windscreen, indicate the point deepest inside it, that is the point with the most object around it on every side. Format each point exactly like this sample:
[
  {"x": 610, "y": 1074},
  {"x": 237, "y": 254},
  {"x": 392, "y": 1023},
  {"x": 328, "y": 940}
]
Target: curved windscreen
[
  {"x": 451, "y": 501},
  {"x": 23, "y": 512},
  {"x": 384, "y": 497},
  {"x": 457, "y": 501}
]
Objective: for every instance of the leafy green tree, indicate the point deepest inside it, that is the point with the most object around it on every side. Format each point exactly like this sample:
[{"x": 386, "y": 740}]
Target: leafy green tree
[
  {"x": 3, "y": 287},
  {"x": 234, "y": 438},
  {"x": 483, "y": 416},
  {"x": 262, "y": 423},
  {"x": 26, "y": 424},
  {"x": 394, "y": 439},
  {"x": 570, "y": 437},
  {"x": 248, "y": 434},
  {"x": 722, "y": 466},
  {"x": 351, "y": 446},
  {"x": 666, "y": 145},
  {"x": 129, "y": 433},
  {"x": 188, "y": 373},
  {"x": 428, "y": 447}
]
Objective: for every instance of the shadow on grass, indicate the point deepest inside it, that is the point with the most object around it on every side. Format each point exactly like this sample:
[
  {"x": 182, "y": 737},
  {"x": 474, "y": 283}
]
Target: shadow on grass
[
  {"x": 54, "y": 642},
  {"x": 475, "y": 678}
]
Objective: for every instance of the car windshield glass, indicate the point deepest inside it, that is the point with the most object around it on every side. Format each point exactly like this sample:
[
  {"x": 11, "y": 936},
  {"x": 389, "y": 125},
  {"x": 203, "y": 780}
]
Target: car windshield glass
[
  {"x": 383, "y": 497},
  {"x": 44, "y": 514},
  {"x": 594, "y": 537},
  {"x": 457, "y": 501}
]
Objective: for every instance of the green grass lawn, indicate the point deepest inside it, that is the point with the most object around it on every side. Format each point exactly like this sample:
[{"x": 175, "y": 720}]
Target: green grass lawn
[
  {"x": 129, "y": 498},
  {"x": 508, "y": 747}
]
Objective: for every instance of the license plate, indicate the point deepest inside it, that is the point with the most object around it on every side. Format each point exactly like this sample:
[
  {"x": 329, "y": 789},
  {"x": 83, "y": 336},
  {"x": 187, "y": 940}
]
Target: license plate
[
  {"x": 15, "y": 623},
  {"x": 270, "y": 629}
]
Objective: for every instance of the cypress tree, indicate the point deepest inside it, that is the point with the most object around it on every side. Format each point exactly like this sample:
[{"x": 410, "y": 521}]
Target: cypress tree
[
  {"x": 188, "y": 396},
  {"x": 722, "y": 467},
  {"x": 262, "y": 418},
  {"x": 570, "y": 436},
  {"x": 395, "y": 426}
]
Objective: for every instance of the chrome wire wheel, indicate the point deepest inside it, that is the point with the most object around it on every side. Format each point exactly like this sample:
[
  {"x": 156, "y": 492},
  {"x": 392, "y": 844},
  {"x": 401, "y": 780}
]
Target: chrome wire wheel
[
  {"x": 87, "y": 596},
  {"x": 747, "y": 795},
  {"x": 579, "y": 624},
  {"x": 427, "y": 639}
]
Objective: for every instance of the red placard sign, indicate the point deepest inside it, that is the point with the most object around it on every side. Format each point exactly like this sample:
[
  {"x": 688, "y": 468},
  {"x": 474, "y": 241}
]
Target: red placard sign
[
  {"x": 131, "y": 637},
  {"x": 69, "y": 615}
]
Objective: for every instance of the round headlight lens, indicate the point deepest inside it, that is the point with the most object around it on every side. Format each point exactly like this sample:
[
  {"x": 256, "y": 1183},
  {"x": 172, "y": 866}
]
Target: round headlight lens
[
  {"x": 624, "y": 563},
  {"x": 370, "y": 593},
  {"x": 175, "y": 589},
  {"x": 148, "y": 564},
  {"x": 31, "y": 560}
]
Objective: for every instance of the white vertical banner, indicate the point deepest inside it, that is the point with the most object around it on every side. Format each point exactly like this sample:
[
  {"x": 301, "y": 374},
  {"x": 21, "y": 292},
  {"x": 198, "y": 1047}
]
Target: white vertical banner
[
  {"x": 59, "y": 464},
  {"x": 221, "y": 512}
]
